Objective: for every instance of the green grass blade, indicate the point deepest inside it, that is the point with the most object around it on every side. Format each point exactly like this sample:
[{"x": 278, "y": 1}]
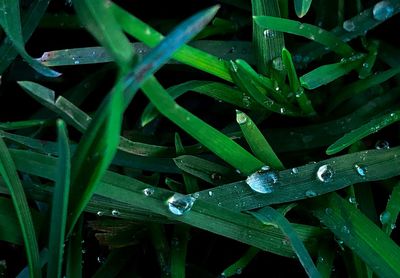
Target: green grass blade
[
  {"x": 270, "y": 216},
  {"x": 240, "y": 264},
  {"x": 363, "y": 131},
  {"x": 59, "y": 205},
  {"x": 366, "y": 69},
  {"x": 392, "y": 211},
  {"x": 363, "y": 237},
  {"x": 10, "y": 176},
  {"x": 301, "y": 7},
  {"x": 221, "y": 145},
  {"x": 24, "y": 124},
  {"x": 74, "y": 252},
  {"x": 326, "y": 256},
  {"x": 309, "y": 31},
  {"x": 10, "y": 21},
  {"x": 328, "y": 73},
  {"x": 257, "y": 142}
]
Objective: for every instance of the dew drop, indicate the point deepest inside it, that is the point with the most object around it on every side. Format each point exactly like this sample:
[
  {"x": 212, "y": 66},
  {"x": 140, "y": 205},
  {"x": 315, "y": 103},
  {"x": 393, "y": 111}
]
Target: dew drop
[
  {"x": 179, "y": 204},
  {"x": 100, "y": 213},
  {"x": 115, "y": 212},
  {"x": 301, "y": 26},
  {"x": 239, "y": 271},
  {"x": 382, "y": 145},
  {"x": 393, "y": 226},
  {"x": 262, "y": 181},
  {"x": 101, "y": 259},
  {"x": 325, "y": 173},
  {"x": 365, "y": 65},
  {"x": 215, "y": 176},
  {"x": 382, "y": 10},
  {"x": 148, "y": 191},
  {"x": 277, "y": 63},
  {"x": 294, "y": 171},
  {"x": 349, "y": 26},
  {"x": 268, "y": 33},
  {"x": 345, "y": 230},
  {"x": 361, "y": 170},
  {"x": 385, "y": 217},
  {"x": 311, "y": 193},
  {"x": 240, "y": 117},
  {"x": 352, "y": 200},
  {"x": 246, "y": 101},
  {"x": 210, "y": 193},
  {"x": 282, "y": 110},
  {"x": 196, "y": 195}
]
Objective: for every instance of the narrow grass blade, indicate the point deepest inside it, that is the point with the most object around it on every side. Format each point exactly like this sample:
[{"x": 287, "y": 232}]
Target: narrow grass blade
[
  {"x": 10, "y": 176},
  {"x": 294, "y": 83},
  {"x": 10, "y": 21},
  {"x": 370, "y": 60},
  {"x": 363, "y": 131},
  {"x": 301, "y": 7},
  {"x": 240, "y": 264},
  {"x": 99, "y": 20},
  {"x": 44, "y": 257},
  {"x": 328, "y": 73},
  {"x": 257, "y": 142},
  {"x": 24, "y": 124},
  {"x": 309, "y": 31},
  {"x": 74, "y": 252},
  {"x": 361, "y": 235},
  {"x": 179, "y": 246},
  {"x": 269, "y": 216},
  {"x": 59, "y": 207},
  {"x": 326, "y": 256},
  {"x": 221, "y": 145},
  {"x": 392, "y": 211},
  {"x": 186, "y": 54}
]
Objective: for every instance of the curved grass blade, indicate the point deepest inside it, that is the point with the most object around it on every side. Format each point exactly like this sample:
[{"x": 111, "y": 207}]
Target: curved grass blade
[
  {"x": 363, "y": 131},
  {"x": 269, "y": 216},
  {"x": 309, "y": 31},
  {"x": 221, "y": 145},
  {"x": 301, "y": 7},
  {"x": 59, "y": 208},
  {"x": 10, "y": 21},
  {"x": 10, "y": 176},
  {"x": 392, "y": 211},
  {"x": 328, "y": 73},
  {"x": 240, "y": 264},
  {"x": 257, "y": 142},
  {"x": 362, "y": 236}
]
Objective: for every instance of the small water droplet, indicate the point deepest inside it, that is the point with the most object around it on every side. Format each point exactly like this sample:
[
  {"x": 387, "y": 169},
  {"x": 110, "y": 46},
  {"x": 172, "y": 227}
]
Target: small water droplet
[
  {"x": 179, "y": 204},
  {"x": 76, "y": 62},
  {"x": 349, "y": 26},
  {"x": 101, "y": 259},
  {"x": 361, "y": 170},
  {"x": 311, "y": 193},
  {"x": 325, "y": 173},
  {"x": 365, "y": 65},
  {"x": 115, "y": 212},
  {"x": 282, "y": 110},
  {"x": 345, "y": 230},
  {"x": 241, "y": 117},
  {"x": 352, "y": 200},
  {"x": 301, "y": 26},
  {"x": 196, "y": 195},
  {"x": 148, "y": 191},
  {"x": 277, "y": 63},
  {"x": 393, "y": 226},
  {"x": 385, "y": 217},
  {"x": 215, "y": 176},
  {"x": 100, "y": 213},
  {"x": 239, "y": 271},
  {"x": 382, "y": 10},
  {"x": 246, "y": 101},
  {"x": 268, "y": 33},
  {"x": 294, "y": 171},
  {"x": 382, "y": 145},
  {"x": 262, "y": 181},
  {"x": 210, "y": 193}
]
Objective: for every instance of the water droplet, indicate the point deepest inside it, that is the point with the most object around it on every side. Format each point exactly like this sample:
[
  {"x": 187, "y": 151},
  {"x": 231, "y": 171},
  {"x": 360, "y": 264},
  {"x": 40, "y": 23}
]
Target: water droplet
[
  {"x": 179, "y": 204},
  {"x": 282, "y": 110},
  {"x": 361, "y": 170},
  {"x": 382, "y": 145},
  {"x": 268, "y": 33},
  {"x": 100, "y": 213},
  {"x": 325, "y": 173},
  {"x": 311, "y": 193},
  {"x": 101, "y": 259},
  {"x": 262, "y": 181},
  {"x": 83, "y": 251},
  {"x": 148, "y": 191},
  {"x": 241, "y": 117},
  {"x": 76, "y": 62},
  {"x": 246, "y": 101},
  {"x": 345, "y": 230},
  {"x": 301, "y": 26},
  {"x": 352, "y": 200},
  {"x": 239, "y": 271},
  {"x": 196, "y": 195},
  {"x": 216, "y": 177},
  {"x": 349, "y": 26},
  {"x": 382, "y": 10},
  {"x": 277, "y": 63},
  {"x": 393, "y": 226},
  {"x": 365, "y": 65},
  {"x": 385, "y": 217},
  {"x": 294, "y": 170},
  {"x": 115, "y": 212},
  {"x": 210, "y": 193}
]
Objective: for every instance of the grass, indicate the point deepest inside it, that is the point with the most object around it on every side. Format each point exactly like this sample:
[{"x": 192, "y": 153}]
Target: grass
[{"x": 110, "y": 166}]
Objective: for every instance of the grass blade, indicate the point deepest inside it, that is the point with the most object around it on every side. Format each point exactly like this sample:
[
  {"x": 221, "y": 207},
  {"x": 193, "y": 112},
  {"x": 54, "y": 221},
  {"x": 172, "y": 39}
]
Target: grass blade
[
  {"x": 10, "y": 21},
  {"x": 59, "y": 205},
  {"x": 269, "y": 216},
  {"x": 392, "y": 211},
  {"x": 309, "y": 31},
  {"x": 301, "y": 7},
  {"x": 74, "y": 252},
  {"x": 240, "y": 264},
  {"x": 11, "y": 179}
]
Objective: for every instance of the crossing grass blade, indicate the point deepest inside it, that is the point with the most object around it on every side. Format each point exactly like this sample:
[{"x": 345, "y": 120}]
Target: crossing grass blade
[
  {"x": 74, "y": 252},
  {"x": 309, "y": 31},
  {"x": 361, "y": 235},
  {"x": 59, "y": 208},
  {"x": 301, "y": 7},
  {"x": 10, "y": 21},
  {"x": 392, "y": 211},
  {"x": 24, "y": 124},
  {"x": 240, "y": 264},
  {"x": 269, "y": 216},
  {"x": 10, "y": 176},
  {"x": 363, "y": 131}
]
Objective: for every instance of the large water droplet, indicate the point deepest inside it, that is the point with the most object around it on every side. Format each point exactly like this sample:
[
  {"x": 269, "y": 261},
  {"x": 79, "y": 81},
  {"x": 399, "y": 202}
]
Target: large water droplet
[
  {"x": 268, "y": 33},
  {"x": 349, "y": 26},
  {"x": 294, "y": 171},
  {"x": 382, "y": 10},
  {"x": 361, "y": 170},
  {"x": 179, "y": 204},
  {"x": 240, "y": 117},
  {"x": 148, "y": 191},
  {"x": 382, "y": 145},
  {"x": 263, "y": 180},
  {"x": 385, "y": 217},
  {"x": 325, "y": 173}
]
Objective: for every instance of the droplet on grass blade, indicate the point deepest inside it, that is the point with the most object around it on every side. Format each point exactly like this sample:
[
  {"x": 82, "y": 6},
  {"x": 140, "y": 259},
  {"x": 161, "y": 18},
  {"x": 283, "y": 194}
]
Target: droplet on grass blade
[
  {"x": 241, "y": 117},
  {"x": 115, "y": 212},
  {"x": 362, "y": 171},
  {"x": 268, "y": 33},
  {"x": 263, "y": 180},
  {"x": 179, "y": 204},
  {"x": 311, "y": 193},
  {"x": 382, "y": 10},
  {"x": 325, "y": 173},
  {"x": 349, "y": 26},
  {"x": 385, "y": 217},
  {"x": 382, "y": 145},
  {"x": 148, "y": 191}
]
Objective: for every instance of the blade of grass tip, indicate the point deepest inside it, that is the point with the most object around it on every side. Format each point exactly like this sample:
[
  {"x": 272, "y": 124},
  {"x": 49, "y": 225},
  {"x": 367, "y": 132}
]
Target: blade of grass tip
[
  {"x": 301, "y": 97},
  {"x": 326, "y": 256},
  {"x": 221, "y": 145},
  {"x": 363, "y": 131},
  {"x": 309, "y": 31},
  {"x": 328, "y": 73},
  {"x": 99, "y": 20},
  {"x": 257, "y": 142},
  {"x": 301, "y": 7},
  {"x": 59, "y": 209},
  {"x": 240, "y": 264},
  {"x": 10, "y": 177},
  {"x": 362, "y": 236},
  {"x": 10, "y": 21},
  {"x": 187, "y": 55},
  {"x": 389, "y": 216},
  {"x": 270, "y": 216},
  {"x": 74, "y": 252}
]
